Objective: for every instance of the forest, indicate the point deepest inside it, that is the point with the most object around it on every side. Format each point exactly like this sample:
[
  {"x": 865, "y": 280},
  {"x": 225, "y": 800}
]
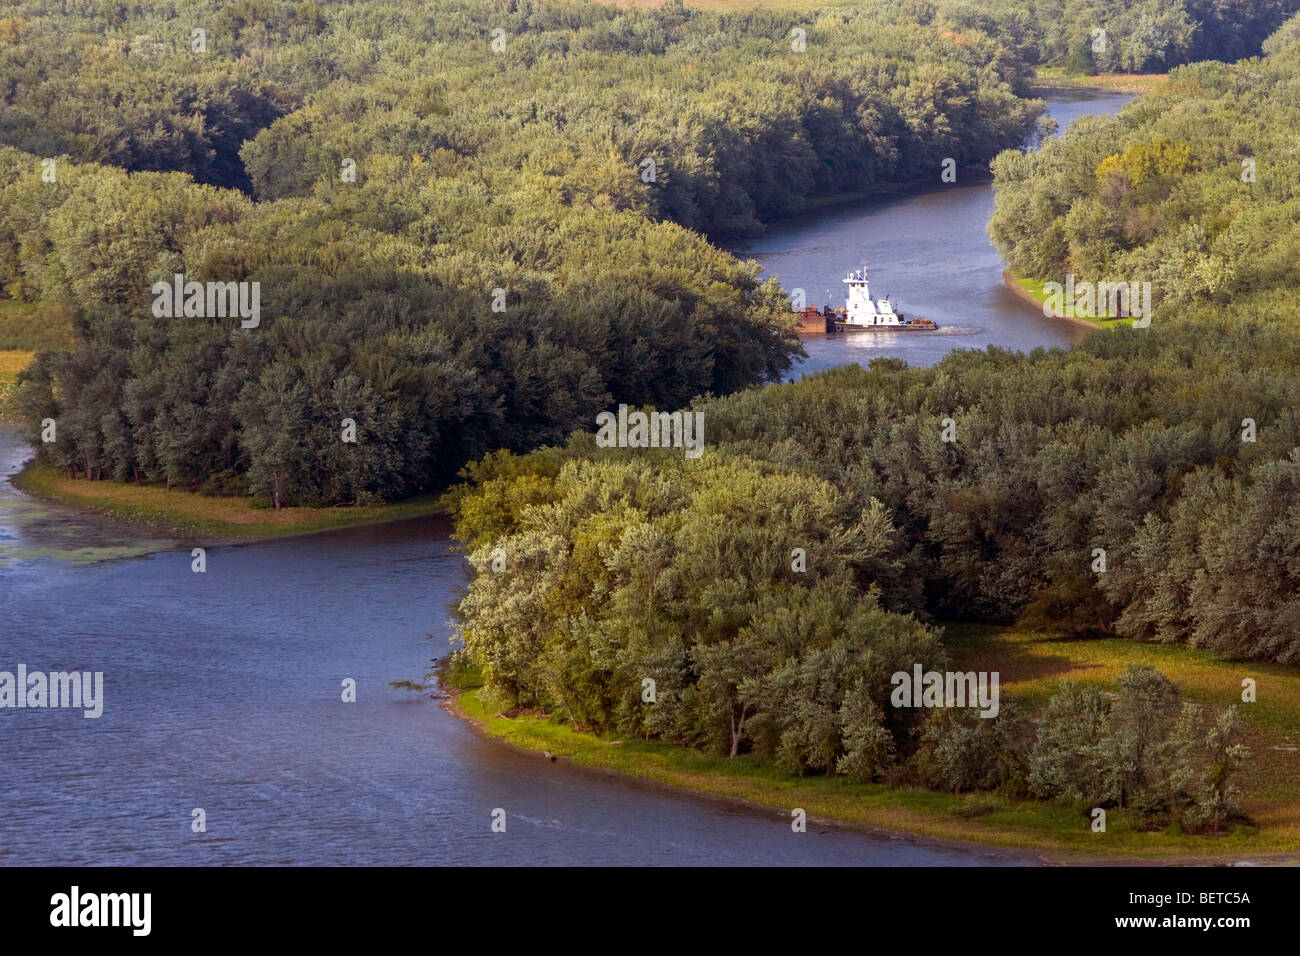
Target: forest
[
  {"x": 472, "y": 234},
  {"x": 771, "y": 587},
  {"x": 464, "y": 239},
  {"x": 474, "y": 226},
  {"x": 1137, "y": 36},
  {"x": 1195, "y": 188},
  {"x": 1142, "y": 485}
]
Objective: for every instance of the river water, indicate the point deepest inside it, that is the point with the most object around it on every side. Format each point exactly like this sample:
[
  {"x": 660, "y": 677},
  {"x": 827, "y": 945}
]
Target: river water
[
  {"x": 223, "y": 690},
  {"x": 928, "y": 251}
]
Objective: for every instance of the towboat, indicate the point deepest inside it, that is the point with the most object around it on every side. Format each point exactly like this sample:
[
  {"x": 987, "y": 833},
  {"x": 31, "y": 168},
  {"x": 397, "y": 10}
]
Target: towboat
[
  {"x": 860, "y": 313},
  {"x": 863, "y": 313}
]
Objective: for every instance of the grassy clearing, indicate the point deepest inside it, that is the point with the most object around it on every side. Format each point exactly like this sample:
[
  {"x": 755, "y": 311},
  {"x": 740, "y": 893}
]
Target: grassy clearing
[
  {"x": 1031, "y": 290},
  {"x": 1055, "y": 77},
  {"x": 192, "y": 513},
  {"x": 25, "y": 329},
  {"x": 1030, "y": 665},
  {"x": 12, "y": 361},
  {"x": 33, "y": 326}
]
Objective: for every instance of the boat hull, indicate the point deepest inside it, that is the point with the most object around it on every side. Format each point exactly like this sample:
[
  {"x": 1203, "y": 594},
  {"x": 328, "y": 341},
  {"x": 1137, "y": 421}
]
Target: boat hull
[{"x": 914, "y": 326}]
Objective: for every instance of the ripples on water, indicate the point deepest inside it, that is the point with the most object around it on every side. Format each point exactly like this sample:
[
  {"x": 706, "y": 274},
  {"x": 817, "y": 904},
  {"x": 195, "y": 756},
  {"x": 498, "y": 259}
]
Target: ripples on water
[{"x": 31, "y": 529}]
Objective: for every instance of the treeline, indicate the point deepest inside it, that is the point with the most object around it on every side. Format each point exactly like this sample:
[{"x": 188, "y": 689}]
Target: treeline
[
  {"x": 743, "y": 116},
  {"x": 733, "y": 118},
  {"x": 1136, "y": 444},
  {"x": 1194, "y": 188},
  {"x": 114, "y": 83},
  {"x": 458, "y": 247},
  {"x": 771, "y": 588},
  {"x": 1138, "y": 36}
]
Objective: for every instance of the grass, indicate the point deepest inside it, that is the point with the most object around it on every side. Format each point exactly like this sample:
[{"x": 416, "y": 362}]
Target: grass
[
  {"x": 731, "y": 4},
  {"x": 192, "y": 513},
  {"x": 1032, "y": 290},
  {"x": 12, "y": 361},
  {"x": 26, "y": 328},
  {"x": 32, "y": 326},
  {"x": 1030, "y": 664},
  {"x": 1056, "y": 77}
]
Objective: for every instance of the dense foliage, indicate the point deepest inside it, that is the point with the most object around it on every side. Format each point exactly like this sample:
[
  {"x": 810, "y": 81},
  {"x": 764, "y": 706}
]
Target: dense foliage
[
  {"x": 599, "y": 568},
  {"x": 1142, "y": 748},
  {"x": 1138, "y": 36},
  {"x": 505, "y": 263},
  {"x": 1194, "y": 188},
  {"x": 1135, "y": 442},
  {"x": 690, "y": 569}
]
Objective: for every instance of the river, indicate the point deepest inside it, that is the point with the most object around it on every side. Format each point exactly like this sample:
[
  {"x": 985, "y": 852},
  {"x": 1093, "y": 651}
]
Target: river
[
  {"x": 927, "y": 250},
  {"x": 223, "y": 690}
]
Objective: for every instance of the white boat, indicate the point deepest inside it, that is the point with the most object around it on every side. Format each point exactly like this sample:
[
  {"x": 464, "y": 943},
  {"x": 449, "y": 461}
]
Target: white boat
[{"x": 863, "y": 312}]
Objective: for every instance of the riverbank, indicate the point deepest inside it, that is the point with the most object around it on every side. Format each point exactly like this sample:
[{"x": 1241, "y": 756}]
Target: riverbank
[
  {"x": 188, "y": 513},
  {"x": 1031, "y": 291},
  {"x": 1055, "y": 78},
  {"x": 1030, "y": 665},
  {"x": 967, "y": 174},
  {"x": 677, "y": 769}
]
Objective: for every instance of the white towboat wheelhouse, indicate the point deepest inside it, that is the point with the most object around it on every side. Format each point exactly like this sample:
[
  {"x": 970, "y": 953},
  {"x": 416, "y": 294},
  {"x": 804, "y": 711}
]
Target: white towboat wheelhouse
[{"x": 861, "y": 310}]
